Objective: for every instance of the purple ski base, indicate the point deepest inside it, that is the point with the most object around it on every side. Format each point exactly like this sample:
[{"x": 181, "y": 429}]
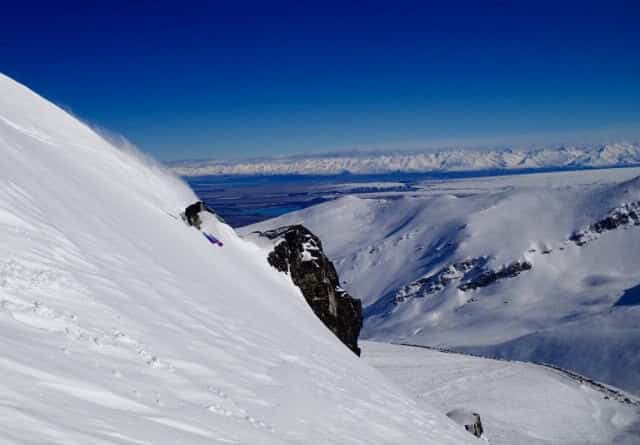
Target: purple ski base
[{"x": 213, "y": 240}]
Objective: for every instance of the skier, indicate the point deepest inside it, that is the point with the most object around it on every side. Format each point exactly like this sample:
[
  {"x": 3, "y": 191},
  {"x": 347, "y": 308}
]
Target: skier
[
  {"x": 191, "y": 213},
  {"x": 191, "y": 216}
]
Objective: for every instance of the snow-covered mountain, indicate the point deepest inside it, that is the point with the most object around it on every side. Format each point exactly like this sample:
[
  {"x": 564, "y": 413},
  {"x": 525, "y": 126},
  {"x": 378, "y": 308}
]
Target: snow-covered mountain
[
  {"x": 119, "y": 324},
  {"x": 529, "y": 267},
  {"x": 614, "y": 154},
  {"x": 518, "y": 403}
]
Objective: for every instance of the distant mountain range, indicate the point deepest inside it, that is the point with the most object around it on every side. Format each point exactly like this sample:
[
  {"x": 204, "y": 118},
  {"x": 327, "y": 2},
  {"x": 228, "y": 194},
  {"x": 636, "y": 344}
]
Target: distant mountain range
[{"x": 607, "y": 155}]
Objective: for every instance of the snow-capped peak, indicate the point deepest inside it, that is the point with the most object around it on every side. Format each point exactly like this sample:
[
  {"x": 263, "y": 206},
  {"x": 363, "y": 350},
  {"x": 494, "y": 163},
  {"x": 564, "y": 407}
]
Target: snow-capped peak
[{"x": 608, "y": 155}]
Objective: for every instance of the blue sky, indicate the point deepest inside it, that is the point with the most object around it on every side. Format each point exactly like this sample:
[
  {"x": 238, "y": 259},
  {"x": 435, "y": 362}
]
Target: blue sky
[{"x": 241, "y": 79}]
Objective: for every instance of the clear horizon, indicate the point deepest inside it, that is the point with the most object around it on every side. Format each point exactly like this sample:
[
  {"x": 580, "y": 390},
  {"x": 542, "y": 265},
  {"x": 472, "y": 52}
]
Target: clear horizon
[{"x": 217, "y": 81}]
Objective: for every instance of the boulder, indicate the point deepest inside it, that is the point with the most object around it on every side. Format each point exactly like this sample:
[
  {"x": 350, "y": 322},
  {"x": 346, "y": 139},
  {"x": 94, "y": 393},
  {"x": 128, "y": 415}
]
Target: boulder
[{"x": 468, "y": 419}]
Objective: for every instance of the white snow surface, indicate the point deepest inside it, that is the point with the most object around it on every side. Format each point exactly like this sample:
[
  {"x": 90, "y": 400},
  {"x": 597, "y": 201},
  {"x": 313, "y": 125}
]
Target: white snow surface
[
  {"x": 121, "y": 325},
  {"x": 562, "y": 311},
  {"x": 613, "y": 154},
  {"x": 518, "y": 403}
]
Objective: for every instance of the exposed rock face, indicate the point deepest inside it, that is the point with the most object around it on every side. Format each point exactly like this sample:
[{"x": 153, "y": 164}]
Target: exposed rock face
[
  {"x": 491, "y": 276},
  {"x": 626, "y": 215},
  {"x": 299, "y": 253},
  {"x": 469, "y": 420},
  {"x": 438, "y": 281},
  {"x": 471, "y": 273}
]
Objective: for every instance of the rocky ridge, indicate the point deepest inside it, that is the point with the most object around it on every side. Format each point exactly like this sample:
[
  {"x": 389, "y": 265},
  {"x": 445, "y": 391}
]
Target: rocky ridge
[
  {"x": 626, "y": 215},
  {"x": 471, "y": 272}
]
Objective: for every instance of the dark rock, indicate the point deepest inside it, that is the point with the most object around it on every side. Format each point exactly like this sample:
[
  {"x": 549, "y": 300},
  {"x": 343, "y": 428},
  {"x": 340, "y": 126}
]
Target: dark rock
[
  {"x": 491, "y": 276},
  {"x": 469, "y": 420},
  {"x": 626, "y": 215},
  {"x": 475, "y": 428},
  {"x": 299, "y": 253},
  {"x": 472, "y": 272},
  {"x": 438, "y": 281}
]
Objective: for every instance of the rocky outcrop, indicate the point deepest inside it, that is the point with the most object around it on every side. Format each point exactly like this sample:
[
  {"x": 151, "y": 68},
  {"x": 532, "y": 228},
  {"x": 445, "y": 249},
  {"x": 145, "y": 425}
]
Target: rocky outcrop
[
  {"x": 472, "y": 272},
  {"x": 491, "y": 276},
  {"x": 469, "y": 420},
  {"x": 437, "y": 282},
  {"x": 623, "y": 216},
  {"x": 299, "y": 253}
]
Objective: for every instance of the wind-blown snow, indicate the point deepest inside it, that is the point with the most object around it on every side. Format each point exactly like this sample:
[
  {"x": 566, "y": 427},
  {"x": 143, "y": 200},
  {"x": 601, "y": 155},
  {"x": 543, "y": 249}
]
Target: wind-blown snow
[
  {"x": 121, "y": 325},
  {"x": 614, "y": 154},
  {"x": 413, "y": 257}
]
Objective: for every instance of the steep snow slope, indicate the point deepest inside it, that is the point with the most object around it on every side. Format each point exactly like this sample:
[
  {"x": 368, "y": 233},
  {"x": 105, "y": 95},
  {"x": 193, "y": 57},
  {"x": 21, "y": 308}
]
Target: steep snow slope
[
  {"x": 121, "y": 325},
  {"x": 519, "y": 403},
  {"x": 505, "y": 266},
  {"x": 615, "y": 154}
]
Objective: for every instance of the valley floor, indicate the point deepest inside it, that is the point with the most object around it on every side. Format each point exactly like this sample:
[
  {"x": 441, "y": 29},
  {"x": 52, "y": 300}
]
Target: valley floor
[{"x": 519, "y": 403}]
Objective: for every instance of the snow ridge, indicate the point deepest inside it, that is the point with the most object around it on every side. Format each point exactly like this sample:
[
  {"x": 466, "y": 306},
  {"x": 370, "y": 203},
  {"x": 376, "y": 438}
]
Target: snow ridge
[
  {"x": 572, "y": 157},
  {"x": 417, "y": 258}
]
